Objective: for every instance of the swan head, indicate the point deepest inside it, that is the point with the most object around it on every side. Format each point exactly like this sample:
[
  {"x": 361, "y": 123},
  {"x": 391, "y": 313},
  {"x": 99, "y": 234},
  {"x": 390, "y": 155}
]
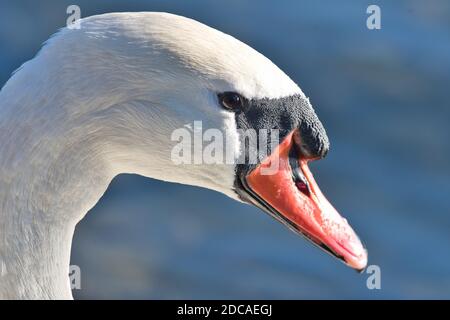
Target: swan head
[{"x": 163, "y": 88}]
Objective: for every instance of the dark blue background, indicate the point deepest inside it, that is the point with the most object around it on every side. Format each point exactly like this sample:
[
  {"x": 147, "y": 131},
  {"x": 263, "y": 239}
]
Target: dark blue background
[{"x": 383, "y": 97}]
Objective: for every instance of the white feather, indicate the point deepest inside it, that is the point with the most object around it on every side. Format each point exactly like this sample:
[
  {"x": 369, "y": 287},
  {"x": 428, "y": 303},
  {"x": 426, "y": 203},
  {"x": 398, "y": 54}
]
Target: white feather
[{"x": 100, "y": 101}]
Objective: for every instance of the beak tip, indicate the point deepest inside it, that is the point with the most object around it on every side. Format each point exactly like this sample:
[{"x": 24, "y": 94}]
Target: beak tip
[{"x": 358, "y": 263}]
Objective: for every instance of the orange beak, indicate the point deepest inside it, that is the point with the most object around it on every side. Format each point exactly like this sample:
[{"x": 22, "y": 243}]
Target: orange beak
[{"x": 291, "y": 194}]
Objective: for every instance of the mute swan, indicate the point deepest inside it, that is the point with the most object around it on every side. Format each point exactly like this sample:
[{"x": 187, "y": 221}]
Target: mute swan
[{"x": 104, "y": 99}]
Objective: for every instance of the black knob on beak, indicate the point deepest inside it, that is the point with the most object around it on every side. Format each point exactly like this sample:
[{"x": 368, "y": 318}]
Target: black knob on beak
[{"x": 311, "y": 141}]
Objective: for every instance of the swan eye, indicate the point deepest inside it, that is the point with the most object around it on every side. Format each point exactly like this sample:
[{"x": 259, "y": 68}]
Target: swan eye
[{"x": 231, "y": 100}]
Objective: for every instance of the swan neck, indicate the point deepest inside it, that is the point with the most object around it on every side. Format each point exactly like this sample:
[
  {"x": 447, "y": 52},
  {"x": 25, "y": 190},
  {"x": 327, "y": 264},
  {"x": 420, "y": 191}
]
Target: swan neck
[
  {"x": 48, "y": 181},
  {"x": 37, "y": 268}
]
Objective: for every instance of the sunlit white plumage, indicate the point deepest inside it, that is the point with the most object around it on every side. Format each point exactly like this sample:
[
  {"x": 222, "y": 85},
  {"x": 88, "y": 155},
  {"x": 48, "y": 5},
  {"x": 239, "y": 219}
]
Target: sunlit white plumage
[{"x": 100, "y": 101}]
